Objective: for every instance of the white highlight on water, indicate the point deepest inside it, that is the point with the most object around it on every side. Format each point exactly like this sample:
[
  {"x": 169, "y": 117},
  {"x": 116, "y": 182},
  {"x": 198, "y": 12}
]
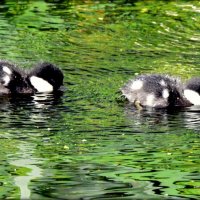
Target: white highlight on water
[{"x": 26, "y": 160}]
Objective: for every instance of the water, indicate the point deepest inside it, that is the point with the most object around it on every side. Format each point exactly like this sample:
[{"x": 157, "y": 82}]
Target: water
[{"x": 87, "y": 144}]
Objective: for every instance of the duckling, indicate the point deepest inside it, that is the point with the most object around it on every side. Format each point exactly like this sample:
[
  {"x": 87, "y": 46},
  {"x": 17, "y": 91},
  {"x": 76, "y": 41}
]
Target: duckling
[
  {"x": 192, "y": 90},
  {"x": 12, "y": 79},
  {"x": 155, "y": 90},
  {"x": 46, "y": 77}
]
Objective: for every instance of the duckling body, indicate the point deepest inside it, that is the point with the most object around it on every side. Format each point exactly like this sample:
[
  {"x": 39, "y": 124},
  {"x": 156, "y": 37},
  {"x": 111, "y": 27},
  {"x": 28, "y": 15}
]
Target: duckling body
[
  {"x": 154, "y": 90},
  {"x": 192, "y": 90},
  {"x": 12, "y": 79}
]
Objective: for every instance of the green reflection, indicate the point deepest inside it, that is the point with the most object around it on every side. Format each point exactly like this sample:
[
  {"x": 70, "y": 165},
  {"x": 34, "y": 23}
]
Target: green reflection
[{"x": 90, "y": 146}]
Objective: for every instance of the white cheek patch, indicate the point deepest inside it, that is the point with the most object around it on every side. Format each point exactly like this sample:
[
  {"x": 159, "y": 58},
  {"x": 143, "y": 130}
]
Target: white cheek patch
[
  {"x": 7, "y": 70},
  {"x": 165, "y": 93},
  {"x": 192, "y": 96},
  {"x": 150, "y": 100},
  {"x": 162, "y": 82},
  {"x": 136, "y": 85},
  {"x": 40, "y": 84},
  {"x": 6, "y": 80}
]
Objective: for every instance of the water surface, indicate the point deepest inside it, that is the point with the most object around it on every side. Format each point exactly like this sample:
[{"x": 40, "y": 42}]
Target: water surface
[{"x": 87, "y": 144}]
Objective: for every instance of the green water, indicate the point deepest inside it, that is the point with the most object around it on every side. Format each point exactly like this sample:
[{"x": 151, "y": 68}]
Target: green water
[{"x": 87, "y": 144}]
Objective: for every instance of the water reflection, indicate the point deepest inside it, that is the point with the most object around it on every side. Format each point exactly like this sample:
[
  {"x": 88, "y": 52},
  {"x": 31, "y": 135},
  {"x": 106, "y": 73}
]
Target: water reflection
[
  {"x": 29, "y": 111},
  {"x": 192, "y": 118},
  {"x": 26, "y": 160},
  {"x": 163, "y": 120},
  {"x": 84, "y": 144}
]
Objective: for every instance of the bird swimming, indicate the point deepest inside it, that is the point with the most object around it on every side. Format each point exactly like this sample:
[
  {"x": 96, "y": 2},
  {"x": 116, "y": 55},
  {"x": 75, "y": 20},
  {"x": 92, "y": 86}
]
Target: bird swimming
[
  {"x": 155, "y": 90},
  {"x": 45, "y": 77}
]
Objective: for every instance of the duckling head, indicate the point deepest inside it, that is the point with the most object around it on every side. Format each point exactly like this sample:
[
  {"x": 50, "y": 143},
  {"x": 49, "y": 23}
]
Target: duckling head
[{"x": 46, "y": 77}]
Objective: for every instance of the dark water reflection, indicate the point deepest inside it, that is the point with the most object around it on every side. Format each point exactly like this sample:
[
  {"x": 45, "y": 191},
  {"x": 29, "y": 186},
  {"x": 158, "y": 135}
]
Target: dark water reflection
[
  {"x": 164, "y": 119},
  {"x": 86, "y": 144}
]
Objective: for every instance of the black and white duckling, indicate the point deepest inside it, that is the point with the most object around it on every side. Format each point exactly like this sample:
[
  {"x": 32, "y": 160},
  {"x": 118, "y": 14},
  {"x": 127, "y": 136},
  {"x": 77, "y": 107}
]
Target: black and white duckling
[
  {"x": 46, "y": 77},
  {"x": 12, "y": 79},
  {"x": 192, "y": 90},
  {"x": 154, "y": 90}
]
